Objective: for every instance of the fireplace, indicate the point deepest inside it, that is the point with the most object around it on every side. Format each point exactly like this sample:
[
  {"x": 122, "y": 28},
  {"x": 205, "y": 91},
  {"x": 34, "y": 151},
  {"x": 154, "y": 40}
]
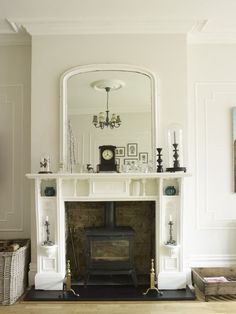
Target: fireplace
[
  {"x": 110, "y": 249},
  {"x": 76, "y": 190},
  {"x": 108, "y": 232}
]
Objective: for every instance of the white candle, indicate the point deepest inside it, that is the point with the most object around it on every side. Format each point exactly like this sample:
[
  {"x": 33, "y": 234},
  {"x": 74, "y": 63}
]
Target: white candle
[
  {"x": 46, "y": 219},
  {"x": 174, "y": 137},
  {"x": 101, "y": 116},
  {"x": 170, "y": 218}
]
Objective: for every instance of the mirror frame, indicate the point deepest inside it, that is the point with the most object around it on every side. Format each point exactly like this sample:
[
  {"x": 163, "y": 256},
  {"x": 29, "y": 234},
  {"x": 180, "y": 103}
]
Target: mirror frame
[{"x": 106, "y": 67}]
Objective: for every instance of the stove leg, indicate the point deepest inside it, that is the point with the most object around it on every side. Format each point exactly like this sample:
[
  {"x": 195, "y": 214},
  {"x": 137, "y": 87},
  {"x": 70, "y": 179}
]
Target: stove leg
[
  {"x": 86, "y": 279},
  {"x": 134, "y": 277}
]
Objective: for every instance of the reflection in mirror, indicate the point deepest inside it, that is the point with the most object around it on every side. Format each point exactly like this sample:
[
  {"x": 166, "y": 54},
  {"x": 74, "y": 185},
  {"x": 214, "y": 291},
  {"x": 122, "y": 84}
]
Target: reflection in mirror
[{"x": 108, "y": 105}]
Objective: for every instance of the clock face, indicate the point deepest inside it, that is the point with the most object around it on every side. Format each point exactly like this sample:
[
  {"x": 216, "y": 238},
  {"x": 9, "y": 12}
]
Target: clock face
[{"x": 107, "y": 154}]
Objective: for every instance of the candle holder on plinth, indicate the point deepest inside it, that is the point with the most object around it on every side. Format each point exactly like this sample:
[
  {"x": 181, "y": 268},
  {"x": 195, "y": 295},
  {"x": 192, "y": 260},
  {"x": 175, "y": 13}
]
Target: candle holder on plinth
[
  {"x": 152, "y": 289},
  {"x": 159, "y": 160},
  {"x": 171, "y": 241},
  {"x": 47, "y": 242},
  {"x": 176, "y": 164}
]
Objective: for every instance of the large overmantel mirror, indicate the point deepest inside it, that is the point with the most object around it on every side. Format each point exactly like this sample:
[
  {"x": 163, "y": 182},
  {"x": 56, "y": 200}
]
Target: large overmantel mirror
[{"x": 108, "y": 104}]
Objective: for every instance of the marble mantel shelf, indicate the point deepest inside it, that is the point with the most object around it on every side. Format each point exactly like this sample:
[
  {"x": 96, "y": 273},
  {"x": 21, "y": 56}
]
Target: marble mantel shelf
[{"x": 108, "y": 175}]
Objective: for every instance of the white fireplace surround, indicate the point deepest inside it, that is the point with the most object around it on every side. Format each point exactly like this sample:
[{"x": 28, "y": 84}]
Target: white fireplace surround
[{"x": 82, "y": 187}]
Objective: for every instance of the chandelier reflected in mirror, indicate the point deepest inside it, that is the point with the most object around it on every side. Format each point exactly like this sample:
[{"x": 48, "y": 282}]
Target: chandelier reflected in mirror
[{"x": 103, "y": 119}]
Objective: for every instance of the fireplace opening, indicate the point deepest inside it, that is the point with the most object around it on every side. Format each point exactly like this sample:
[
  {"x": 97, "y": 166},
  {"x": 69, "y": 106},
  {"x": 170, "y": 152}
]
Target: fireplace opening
[
  {"x": 109, "y": 249},
  {"x": 106, "y": 241}
]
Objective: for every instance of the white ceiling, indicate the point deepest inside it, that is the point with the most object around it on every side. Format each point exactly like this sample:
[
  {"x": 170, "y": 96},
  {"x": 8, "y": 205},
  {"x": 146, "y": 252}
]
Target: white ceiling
[
  {"x": 203, "y": 20},
  {"x": 134, "y": 96}
]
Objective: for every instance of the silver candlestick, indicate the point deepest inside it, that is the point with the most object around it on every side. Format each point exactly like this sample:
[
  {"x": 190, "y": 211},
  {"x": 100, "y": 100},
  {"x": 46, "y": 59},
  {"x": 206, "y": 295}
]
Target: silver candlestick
[
  {"x": 171, "y": 241},
  {"x": 48, "y": 241}
]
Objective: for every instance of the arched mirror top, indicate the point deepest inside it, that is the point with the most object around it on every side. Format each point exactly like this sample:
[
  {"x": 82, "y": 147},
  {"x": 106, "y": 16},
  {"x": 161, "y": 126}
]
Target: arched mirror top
[{"x": 132, "y": 92}]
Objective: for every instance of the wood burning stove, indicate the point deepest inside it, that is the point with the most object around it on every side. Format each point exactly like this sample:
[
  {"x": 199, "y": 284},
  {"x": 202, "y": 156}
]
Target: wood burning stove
[{"x": 110, "y": 249}]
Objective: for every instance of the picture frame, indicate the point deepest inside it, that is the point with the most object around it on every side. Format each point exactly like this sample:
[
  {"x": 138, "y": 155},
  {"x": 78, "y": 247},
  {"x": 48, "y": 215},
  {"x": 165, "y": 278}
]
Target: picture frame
[
  {"x": 143, "y": 157},
  {"x": 132, "y": 149},
  {"x": 120, "y": 151},
  {"x": 118, "y": 161},
  {"x": 130, "y": 161}
]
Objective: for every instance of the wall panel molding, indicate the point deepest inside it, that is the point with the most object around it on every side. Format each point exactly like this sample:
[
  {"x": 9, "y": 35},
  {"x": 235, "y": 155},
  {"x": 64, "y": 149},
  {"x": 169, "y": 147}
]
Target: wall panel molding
[
  {"x": 213, "y": 104},
  {"x": 11, "y": 164},
  {"x": 224, "y": 260}
]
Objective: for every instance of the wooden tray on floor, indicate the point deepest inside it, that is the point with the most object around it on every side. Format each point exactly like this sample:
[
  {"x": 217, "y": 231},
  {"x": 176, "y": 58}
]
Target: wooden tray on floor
[{"x": 200, "y": 274}]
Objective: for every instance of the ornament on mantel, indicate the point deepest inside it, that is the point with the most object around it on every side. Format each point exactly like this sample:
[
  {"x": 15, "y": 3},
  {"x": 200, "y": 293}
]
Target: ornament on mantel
[
  {"x": 45, "y": 164},
  {"x": 71, "y": 148}
]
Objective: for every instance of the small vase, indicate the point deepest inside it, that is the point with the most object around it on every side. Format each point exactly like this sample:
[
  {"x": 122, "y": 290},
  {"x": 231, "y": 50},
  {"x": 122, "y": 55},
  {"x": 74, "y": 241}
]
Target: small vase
[
  {"x": 49, "y": 191},
  {"x": 170, "y": 190}
]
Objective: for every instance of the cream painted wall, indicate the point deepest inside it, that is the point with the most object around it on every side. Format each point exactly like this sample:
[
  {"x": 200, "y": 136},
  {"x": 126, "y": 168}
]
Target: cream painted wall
[
  {"x": 212, "y": 94},
  {"x": 15, "y": 62},
  {"x": 165, "y": 55},
  {"x": 210, "y": 216}
]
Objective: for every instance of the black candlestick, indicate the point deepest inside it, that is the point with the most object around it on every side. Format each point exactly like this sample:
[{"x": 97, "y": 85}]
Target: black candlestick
[
  {"x": 176, "y": 165},
  {"x": 159, "y": 160}
]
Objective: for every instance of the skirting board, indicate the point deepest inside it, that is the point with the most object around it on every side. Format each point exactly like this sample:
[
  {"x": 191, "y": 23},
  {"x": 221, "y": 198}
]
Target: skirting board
[{"x": 211, "y": 261}]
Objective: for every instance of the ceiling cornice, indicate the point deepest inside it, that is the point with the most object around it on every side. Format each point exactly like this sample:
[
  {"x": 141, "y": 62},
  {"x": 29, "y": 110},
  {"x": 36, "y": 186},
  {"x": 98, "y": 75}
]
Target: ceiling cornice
[
  {"x": 213, "y": 31},
  {"x": 211, "y": 38},
  {"x": 101, "y": 26},
  {"x": 198, "y": 31},
  {"x": 14, "y": 39}
]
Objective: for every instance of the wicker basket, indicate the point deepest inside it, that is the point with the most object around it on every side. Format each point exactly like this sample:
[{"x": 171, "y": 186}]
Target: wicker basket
[{"x": 13, "y": 271}]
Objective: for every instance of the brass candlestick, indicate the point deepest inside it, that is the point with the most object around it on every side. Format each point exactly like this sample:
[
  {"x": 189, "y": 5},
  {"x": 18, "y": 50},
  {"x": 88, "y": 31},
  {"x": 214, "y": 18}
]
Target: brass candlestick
[
  {"x": 152, "y": 281},
  {"x": 68, "y": 276}
]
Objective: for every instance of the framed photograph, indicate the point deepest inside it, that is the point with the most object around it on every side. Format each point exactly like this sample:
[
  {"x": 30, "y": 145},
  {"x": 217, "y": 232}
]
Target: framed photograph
[
  {"x": 132, "y": 149},
  {"x": 130, "y": 161},
  {"x": 120, "y": 151},
  {"x": 118, "y": 161},
  {"x": 143, "y": 157}
]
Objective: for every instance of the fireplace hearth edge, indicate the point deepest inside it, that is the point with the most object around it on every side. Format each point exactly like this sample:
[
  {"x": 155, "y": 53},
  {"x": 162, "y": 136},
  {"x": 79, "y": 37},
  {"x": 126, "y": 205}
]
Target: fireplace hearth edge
[{"x": 108, "y": 293}]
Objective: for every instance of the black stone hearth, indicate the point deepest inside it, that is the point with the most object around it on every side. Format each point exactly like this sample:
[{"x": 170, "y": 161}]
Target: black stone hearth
[{"x": 108, "y": 293}]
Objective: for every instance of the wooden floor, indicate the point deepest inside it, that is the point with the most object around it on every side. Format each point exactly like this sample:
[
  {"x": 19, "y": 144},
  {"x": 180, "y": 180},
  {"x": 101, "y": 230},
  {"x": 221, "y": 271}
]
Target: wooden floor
[{"x": 218, "y": 306}]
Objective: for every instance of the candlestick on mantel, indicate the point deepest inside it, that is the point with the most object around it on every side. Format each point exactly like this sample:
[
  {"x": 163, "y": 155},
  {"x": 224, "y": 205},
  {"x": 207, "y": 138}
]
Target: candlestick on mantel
[
  {"x": 175, "y": 142},
  {"x": 159, "y": 160},
  {"x": 170, "y": 218},
  {"x": 176, "y": 163}
]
